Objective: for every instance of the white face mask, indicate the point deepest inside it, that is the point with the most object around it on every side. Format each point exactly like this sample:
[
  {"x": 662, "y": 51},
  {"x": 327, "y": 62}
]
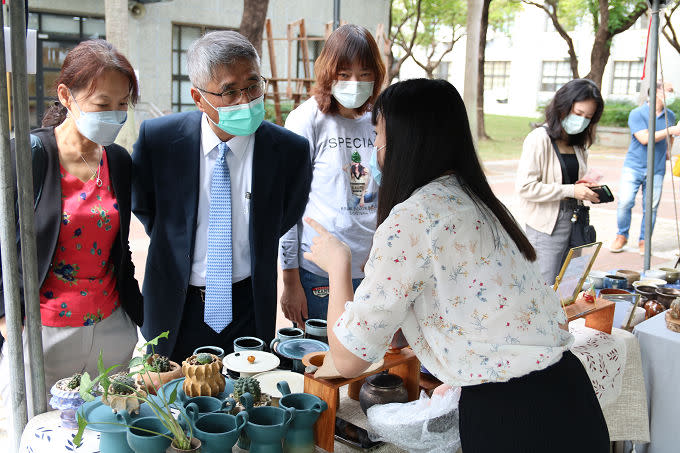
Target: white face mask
[
  {"x": 351, "y": 94},
  {"x": 100, "y": 127}
]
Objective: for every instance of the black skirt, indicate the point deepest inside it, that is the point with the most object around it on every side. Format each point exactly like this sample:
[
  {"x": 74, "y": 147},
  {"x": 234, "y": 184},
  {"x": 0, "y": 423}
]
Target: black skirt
[{"x": 552, "y": 410}]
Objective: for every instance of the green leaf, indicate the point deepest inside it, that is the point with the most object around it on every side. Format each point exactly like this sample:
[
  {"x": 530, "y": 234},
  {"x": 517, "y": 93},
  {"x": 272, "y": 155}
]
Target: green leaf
[
  {"x": 173, "y": 395},
  {"x": 136, "y": 361},
  {"x": 86, "y": 386},
  {"x": 82, "y": 423},
  {"x": 154, "y": 342}
]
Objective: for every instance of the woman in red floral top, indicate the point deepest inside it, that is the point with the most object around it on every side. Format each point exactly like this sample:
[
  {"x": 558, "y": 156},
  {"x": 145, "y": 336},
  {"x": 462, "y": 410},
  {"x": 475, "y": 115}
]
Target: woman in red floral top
[{"x": 89, "y": 298}]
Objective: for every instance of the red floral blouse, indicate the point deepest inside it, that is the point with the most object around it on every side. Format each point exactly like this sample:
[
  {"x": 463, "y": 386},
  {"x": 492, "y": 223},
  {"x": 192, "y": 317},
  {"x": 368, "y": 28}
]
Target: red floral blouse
[{"x": 80, "y": 288}]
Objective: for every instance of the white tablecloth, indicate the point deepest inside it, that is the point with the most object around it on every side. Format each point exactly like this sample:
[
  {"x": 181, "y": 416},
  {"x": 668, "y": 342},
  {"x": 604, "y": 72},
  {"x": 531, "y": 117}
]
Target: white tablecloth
[{"x": 660, "y": 350}]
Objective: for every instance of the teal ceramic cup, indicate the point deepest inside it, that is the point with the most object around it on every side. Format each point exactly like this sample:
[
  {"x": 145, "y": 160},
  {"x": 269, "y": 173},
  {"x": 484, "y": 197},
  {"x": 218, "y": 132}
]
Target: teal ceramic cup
[
  {"x": 285, "y": 334},
  {"x": 147, "y": 435},
  {"x": 316, "y": 329},
  {"x": 308, "y": 408},
  {"x": 248, "y": 344},
  {"x": 266, "y": 427},
  {"x": 219, "y": 432},
  {"x": 216, "y": 350},
  {"x": 208, "y": 404}
]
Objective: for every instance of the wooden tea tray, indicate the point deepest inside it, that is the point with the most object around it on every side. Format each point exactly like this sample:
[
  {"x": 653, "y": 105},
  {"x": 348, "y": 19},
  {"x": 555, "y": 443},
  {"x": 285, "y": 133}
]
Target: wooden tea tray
[{"x": 599, "y": 315}]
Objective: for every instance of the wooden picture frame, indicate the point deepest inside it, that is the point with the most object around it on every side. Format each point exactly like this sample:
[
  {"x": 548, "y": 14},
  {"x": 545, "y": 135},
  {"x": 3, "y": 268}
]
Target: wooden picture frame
[{"x": 574, "y": 271}]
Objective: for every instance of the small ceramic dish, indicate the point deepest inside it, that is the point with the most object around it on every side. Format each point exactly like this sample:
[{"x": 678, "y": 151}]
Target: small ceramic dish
[
  {"x": 629, "y": 275},
  {"x": 269, "y": 379},
  {"x": 672, "y": 274},
  {"x": 251, "y": 362},
  {"x": 654, "y": 273},
  {"x": 658, "y": 282}
]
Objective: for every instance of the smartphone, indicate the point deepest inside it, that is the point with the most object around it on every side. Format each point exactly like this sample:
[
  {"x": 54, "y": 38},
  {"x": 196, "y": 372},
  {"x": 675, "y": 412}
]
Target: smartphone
[
  {"x": 603, "y": 193},
  {"x": 351, "y": 434}
]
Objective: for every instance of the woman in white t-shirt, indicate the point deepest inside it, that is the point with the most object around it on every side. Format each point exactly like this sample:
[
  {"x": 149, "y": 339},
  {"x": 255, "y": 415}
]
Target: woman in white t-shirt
[
  {"x": 343, "y": 198},
  {"x": 451, "y": 268}
]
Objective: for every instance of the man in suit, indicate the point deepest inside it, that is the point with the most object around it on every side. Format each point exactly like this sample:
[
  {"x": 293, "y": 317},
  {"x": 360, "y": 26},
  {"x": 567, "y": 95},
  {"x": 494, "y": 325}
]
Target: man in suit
[{"x": 215, "y": 189}]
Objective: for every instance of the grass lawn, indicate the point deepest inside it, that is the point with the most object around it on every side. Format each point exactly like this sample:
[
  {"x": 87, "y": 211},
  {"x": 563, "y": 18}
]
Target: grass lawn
[{"x": 507, "y": 135}]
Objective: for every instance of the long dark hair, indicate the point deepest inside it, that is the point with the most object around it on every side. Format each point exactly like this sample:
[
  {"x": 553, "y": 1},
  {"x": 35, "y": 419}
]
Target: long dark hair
[
  {"x": 427, "y": 135},
  {"x": 83, "y": 64},
  {"x": 573, "y": 91}
]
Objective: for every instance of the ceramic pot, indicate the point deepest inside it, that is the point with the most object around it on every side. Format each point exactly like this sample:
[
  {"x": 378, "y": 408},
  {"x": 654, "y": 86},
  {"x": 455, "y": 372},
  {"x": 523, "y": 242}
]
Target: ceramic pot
[
  {"x": 316, "y": 329},
  {"x": 214, "y": 350},
  {"x": 630, "y": 276},
  {"x": 615, "y": 282},
  {"x": 152, "y": 380},
  {"x": 285, "y": 334},
  {"x": 195, "y": 447},
  {"x": 67, "y": 401},
  {"x": 653, "y": 308},
  {"x": 382, "y": 388},
  {"x": 142, "y": 441},
  {"x": 300, "y": 435},
  {"x": 666, "y": 295},
  {"x": 675, "y": 308},
  {"x": 646, "y": 292},
  {"x": 219, "y": 432},
  {"x": 203, "y": 380},
  {"x": 266, "y": 427},
  {"x": 598, "y": 278},
  {"x": 672, "y": 274},
  {"x": 248, "y": 344},
  {"x": 654, "y": 273}
]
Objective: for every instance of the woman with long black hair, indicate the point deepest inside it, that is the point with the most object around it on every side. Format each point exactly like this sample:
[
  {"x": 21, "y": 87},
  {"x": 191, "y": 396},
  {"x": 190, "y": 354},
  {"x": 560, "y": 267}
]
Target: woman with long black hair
[
  {"x": 451, "y": 268},
  {"x": 547, "y": 200}
]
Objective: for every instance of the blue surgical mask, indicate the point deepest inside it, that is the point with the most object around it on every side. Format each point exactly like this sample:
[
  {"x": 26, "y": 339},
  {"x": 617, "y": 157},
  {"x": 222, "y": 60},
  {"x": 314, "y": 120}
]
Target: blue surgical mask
[
  {"x": 374, "y": 166},
  {"x": 100, "y": 127},
  {"x": 350, "y": 93},
  {"x": 574, "y": 124},
  {"x": 240, "y": 119}
]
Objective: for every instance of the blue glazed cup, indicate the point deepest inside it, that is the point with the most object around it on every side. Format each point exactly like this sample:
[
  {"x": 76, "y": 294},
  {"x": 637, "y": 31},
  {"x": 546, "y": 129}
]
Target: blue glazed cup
[
  {"x": 285, "y": 334},
  {"x": 148, "y": 435},
  {"x": 215, "y": 350},
  {"x": 300, "y": 435},
  {"x": 615, "y": 282},
  {"x": 248, "y": 344},
  {"x": 219, "y": 432},
  {"x": 208, "y": 404}
]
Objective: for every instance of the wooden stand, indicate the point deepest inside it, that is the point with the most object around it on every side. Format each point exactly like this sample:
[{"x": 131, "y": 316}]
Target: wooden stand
[
  {"x": 599, "y": 315},
  {"x": 405, "y": 364}
]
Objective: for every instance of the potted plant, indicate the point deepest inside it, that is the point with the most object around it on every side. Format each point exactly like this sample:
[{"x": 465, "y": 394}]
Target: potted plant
[
  {"x": 123, "y": 386},
  {"x": 250, "y": 385},
  {"x": 66, "y": 398},
  {"x": 162, "y": 370},
  {"x": 203, "y": 375}
]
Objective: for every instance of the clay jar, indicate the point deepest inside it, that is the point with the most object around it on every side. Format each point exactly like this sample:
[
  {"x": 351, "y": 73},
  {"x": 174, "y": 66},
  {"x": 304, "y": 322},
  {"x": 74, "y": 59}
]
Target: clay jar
[
  {"x": 653, "y": 308},
  {"x": 203, "y": 380},
  {"x": 675, "y": 308},
  {"x": 382, "y": 388}
]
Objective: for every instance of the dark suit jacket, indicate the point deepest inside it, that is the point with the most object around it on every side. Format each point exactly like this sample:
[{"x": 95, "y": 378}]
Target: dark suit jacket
[
  {"x": 48, "y": 222},
  {"x": 165, "y": 198}
]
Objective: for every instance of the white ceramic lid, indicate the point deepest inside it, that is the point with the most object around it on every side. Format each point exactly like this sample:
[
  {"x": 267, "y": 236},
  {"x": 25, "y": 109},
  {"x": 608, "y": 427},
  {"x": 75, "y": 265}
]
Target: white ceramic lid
[
  {"x": 238, "y": 362},
  {"x": 269, "y": 379}
]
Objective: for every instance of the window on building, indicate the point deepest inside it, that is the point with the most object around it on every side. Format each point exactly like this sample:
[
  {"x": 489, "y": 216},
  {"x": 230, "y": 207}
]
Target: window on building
[
  {"x": 57, "y": 35},
  {"x": 314, "y": 46},
  {"x": 496, "y": 74},
  {"x": 554, "y": 74},
  {"x": 626, "y": 77},
  {"x": 443, "y": 70},
  {"x": 182, "y": 37}
]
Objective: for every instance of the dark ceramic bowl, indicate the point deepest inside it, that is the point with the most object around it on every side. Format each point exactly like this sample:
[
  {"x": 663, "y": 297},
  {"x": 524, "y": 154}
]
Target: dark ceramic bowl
[
  {"x": 613, "y": 291},
  {"x": 647, "y": 292},
  {"x": 666, "y": 295},
  {"x": 630, "y": 276}
]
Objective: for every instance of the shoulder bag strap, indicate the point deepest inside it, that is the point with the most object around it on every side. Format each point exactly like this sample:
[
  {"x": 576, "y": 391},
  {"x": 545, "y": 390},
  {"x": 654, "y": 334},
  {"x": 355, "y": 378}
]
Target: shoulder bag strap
[{"x": 563, "y": 167}]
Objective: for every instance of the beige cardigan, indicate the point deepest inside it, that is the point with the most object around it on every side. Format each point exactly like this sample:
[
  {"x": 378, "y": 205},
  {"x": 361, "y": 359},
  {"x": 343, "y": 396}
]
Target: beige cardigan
[{"x": 539, "y": 181}]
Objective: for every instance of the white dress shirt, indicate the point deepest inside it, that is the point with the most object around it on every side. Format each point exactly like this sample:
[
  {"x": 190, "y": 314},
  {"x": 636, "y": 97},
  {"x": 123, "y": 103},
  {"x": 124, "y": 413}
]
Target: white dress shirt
[{"x": 240, "y": 163}]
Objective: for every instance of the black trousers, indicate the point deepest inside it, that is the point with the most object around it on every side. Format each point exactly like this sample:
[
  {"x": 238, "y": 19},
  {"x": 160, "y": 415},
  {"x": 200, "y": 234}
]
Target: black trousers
[
  {"x": 554, "y": 410},
  {"x": 194, "y": 332}
]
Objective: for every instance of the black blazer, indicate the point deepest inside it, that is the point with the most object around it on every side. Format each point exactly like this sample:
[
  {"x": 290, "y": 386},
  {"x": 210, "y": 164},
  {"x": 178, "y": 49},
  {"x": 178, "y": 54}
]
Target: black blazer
[
  {"x": 48, "y": 223},
  {"x": 165, "y": 180}
]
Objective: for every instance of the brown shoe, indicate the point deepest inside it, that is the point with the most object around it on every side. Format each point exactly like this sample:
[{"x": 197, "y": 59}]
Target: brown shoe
[
  {"x": 618, "y": 244},
  {"x": 641, "y": 246}
]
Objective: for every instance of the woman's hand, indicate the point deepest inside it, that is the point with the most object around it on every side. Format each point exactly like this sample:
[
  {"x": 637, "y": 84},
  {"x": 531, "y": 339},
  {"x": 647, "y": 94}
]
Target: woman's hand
[
  {"x": 327, "y": 251},
  {"x": 583, "y": 192}
]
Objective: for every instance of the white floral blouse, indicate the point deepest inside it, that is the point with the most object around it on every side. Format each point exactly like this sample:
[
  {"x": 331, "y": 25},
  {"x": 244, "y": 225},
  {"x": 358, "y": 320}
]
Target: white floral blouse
[{"x": 473, "y": 309}]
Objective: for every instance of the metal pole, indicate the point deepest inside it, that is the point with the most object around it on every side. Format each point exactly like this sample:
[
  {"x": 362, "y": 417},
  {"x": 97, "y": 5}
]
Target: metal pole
[
  {"x": 336, "y": 14},
  {"x": 29, "y": 256},
  {"x": 651, "y": 128},
  {"x": 13, "y": 347}
]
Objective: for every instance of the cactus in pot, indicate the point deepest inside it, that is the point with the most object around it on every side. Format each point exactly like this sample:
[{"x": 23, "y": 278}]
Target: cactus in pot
[{"x": 247, "y": 385}]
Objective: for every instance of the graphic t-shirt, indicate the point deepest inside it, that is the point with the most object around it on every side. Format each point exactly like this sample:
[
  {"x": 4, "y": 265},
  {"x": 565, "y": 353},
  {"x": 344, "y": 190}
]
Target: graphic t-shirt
[
  {"x": 80, "y": 288},
  {"x": 343, "y": 196}
]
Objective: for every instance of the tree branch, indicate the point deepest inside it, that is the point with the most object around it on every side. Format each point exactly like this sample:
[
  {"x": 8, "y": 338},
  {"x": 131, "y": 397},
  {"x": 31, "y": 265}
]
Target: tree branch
[
  {"x": 639, "y": 10},
  {"x": 672, "y": 39}
]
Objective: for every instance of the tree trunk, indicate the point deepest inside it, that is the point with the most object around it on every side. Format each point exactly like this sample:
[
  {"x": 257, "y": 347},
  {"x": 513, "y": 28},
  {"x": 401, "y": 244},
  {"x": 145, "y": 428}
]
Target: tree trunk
[
  {"x": 481, "y": 128},
  {"x": 252, "y": 21},
  {"x": 598, "y": 59}
]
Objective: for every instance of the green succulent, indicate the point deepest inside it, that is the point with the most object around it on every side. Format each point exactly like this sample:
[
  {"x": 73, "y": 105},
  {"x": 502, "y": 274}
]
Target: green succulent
[
  {"x": 74, "y": 382},
  {"x": 160, "y": 363},
  {"x": 122, "y": 385},
  {"x": 204, "y": 358},
  {"x": 356, "y": 157},
  {"x": 247, "y": 385}
]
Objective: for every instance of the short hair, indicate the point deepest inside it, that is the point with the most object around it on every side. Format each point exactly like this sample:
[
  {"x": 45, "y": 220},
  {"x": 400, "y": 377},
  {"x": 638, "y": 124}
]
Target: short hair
[
  {"x": 345, "y": 45},
  {"x": 573, "y": 91},
  {"x": 217, "y": 49}
]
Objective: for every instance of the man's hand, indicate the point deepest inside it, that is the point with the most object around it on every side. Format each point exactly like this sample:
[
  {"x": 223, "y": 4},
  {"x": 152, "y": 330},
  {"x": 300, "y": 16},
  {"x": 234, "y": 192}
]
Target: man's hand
[{"x": 293, "y": 299}]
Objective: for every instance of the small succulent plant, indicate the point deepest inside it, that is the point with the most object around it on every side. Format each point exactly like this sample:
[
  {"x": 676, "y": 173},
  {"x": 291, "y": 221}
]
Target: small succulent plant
[
  {"x": 122, "y": 385},
  {"x": 204, "y": 358},
  {"x": 160, "y": 363},
  {"x": 74, "y": 382},
  {"x": 247, "y": 385}
]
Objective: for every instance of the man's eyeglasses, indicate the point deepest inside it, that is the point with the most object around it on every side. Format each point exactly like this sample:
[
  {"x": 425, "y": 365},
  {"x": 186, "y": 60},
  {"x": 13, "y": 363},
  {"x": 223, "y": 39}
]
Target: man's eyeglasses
[{"x": 232, "y": 97}]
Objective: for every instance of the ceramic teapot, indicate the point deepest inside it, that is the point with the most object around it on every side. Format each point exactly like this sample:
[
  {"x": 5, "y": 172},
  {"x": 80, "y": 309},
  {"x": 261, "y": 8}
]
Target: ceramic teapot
[{"x": 308, "y": 408}]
